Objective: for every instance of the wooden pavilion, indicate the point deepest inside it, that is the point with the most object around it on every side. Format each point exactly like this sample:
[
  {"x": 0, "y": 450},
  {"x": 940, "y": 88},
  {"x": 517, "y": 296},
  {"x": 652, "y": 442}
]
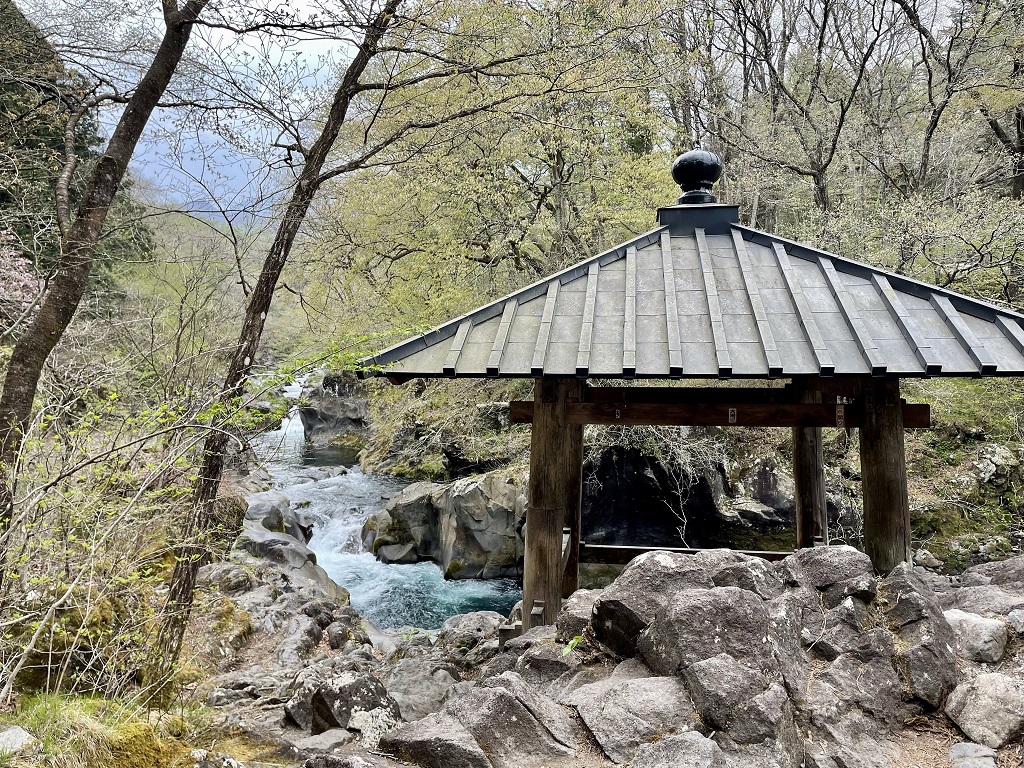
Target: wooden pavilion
[{"x": 704, "y": 297}]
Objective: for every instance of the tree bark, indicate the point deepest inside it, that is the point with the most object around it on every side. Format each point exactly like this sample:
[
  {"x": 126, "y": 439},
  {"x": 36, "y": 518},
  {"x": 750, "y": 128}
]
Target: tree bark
[
  {"x": 69, "y": 284},
  {"x": 191, "y": 552}
]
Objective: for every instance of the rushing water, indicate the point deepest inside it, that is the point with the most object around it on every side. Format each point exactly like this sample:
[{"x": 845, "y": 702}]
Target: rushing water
[{"x": 388, "y": 595}]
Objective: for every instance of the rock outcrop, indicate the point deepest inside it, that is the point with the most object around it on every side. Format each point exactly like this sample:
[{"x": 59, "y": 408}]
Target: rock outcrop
[
  {"x": 334, "y": 407},
  {"x": 472, "y": 527}
]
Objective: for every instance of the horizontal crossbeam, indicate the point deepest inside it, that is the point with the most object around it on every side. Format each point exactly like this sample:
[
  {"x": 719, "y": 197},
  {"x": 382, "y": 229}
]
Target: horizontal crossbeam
[{"x": 717, "y": 414}]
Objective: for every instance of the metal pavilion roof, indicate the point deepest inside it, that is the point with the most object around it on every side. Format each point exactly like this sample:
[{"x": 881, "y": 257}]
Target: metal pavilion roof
[{"x": 702, "y": 296}]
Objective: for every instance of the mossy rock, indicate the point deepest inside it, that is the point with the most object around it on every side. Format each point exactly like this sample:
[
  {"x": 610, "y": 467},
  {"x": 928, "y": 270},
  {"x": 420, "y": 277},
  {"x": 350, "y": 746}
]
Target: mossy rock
[{"x": 136, "y": 745}]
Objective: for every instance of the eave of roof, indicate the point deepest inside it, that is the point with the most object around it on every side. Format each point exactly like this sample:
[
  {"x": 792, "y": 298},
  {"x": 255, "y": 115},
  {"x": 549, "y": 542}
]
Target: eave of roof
[{"x": 743, "y": 303}]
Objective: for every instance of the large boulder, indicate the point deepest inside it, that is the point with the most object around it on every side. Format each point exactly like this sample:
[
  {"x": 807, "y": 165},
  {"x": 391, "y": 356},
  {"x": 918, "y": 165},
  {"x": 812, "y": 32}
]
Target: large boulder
[
  {"x": 291, "y": 556},
  {"x": 702, "y": 623},
  {"x": 978, "y": 638},
  {"x": 628, "y": 605},
  {"x": 472, "y": 527},
  {"x": 333, "y": 408},
  {"x": 926, "y": 655},
  {"x": 419, "y": 686},
  {"x": 622, "y": 714},
  {"x": 357, "y": 703},
  {"x": 989, "y": 709},
  {"x": 686, "y": 750}
]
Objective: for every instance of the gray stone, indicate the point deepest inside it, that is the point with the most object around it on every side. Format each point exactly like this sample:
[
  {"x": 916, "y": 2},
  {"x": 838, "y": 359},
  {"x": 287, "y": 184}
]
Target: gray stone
[
  {"x": 296, "y": 559},
  {"x": 989, "y": 709},
  {"x": 546, "y": 662},
  {"x": 700, "y": 624},
  {"x": 362, "y": 760},
  {"x": 728, "y": 568},
  {"x": 625, "y": 608},
  {"x": 540, "y": 635},
  {"x": 926, "y": 655},
  {"x": 16, "y": 741},
  {"x": 328, "y": 741},
  {"x": 622, "y": 713},
  {"x": 419, "y": 686},
  {"x": 468, "y": 630},
  {"x": 978, "y": 638},
  {"x": 505, "y": 728},
  {"x": 988, "y": 600},
  {"x": 435, "y": 741},
  {"x": 966, "y": 754},
  {"x": 685, "y": 750},
  {"x": 719, "y": 685},
  {"x": 543, "y": 709},
  {"x": 822, "y": 567},
  {"x": 1007, "y": 573},
  {"x": 574, "y": 618},
  {"x": 471, "y": 527},
  {"x": 353, "y": 701}
]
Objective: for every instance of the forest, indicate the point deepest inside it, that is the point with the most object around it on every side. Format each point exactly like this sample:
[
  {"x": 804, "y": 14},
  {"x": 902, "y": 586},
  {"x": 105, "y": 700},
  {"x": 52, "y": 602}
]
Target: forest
[{"x": 202, "y": 202}]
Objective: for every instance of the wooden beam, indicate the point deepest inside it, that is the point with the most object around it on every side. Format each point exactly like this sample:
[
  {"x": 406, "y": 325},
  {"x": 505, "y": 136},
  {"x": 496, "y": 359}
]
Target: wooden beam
[
  {"x": 809, "y": 479},
  {"x": 675, "y": 349},
  {"x": 609, "y": 554},
  {"x": 884, "y": 477},
  {"x": 796, "y": 292},
  {"x": 714, "y": 306},
  {"x": 718, "y": 414},
  {"x": 690, "y": 395},
  {"x": 573, "y": 520},
  {"x": 551, "y": 474}
]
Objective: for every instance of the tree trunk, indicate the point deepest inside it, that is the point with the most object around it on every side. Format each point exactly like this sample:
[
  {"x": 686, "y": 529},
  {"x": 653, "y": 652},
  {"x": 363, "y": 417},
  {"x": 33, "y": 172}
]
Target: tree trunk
[
  {"x": 191, "y": 552},
  {"x": 78, "y": 253}
]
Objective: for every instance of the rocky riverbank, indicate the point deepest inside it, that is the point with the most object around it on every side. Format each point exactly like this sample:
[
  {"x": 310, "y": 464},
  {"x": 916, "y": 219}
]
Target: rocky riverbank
[{"x": 712, "y": 660}]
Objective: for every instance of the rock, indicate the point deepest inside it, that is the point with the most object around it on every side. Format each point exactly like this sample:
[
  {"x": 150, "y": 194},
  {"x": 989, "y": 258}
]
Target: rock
[
  {"x": 989, "y": 709},
  {"x": 419, "y": 686},
  {"x": 719, "y": 685},
  {"x": 1007, "y": 573},
  {"x": 969, "y": 755},
  {"x": 987, "y": 600},
  {"x": 622, "y": 713},
  {"x": 546, "y": 711},
  {"x": 15, "y": 741},
  {"x": 700, "y": 624},
  {"x": 356, "y": 702},
  {"x": 329, "y": 411},
  {"x": 629, "y": 604},
  {"x": 328, "y": 741},
  {"x": 978, "y": 638},
  {"x": 362, "y": 760},
  {"x": 294, "y": 558},
  {"x": 686, "y": 750},
  {"x": 926, "y": 559},
  {"x": 575, "y": 615},
  {"x": 926, "y": 656},
  {"x": 506, "y": 729},
  {"x": 735, "y": 569},
  {"x": 821, "y": 567},
  {"x": 468, "y": 630},
  {"x": 472, "y": 527},
  {"x": 273, "y": 511},
  {"x": 435, "y": 741},
  {"x": 546, "y": 662}
]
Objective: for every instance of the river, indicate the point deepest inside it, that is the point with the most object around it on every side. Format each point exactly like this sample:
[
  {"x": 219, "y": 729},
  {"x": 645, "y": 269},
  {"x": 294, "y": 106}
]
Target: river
[{"x": 327, "y": 484}]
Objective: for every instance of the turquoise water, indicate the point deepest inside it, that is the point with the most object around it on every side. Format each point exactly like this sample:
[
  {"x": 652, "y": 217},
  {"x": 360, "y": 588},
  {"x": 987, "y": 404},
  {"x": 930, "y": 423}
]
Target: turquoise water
[{"x": 388, "y": 595}]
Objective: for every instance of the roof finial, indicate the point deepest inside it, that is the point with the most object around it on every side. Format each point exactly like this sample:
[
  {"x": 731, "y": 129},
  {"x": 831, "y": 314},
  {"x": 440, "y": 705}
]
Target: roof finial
[{"x": 695, "y": 171}]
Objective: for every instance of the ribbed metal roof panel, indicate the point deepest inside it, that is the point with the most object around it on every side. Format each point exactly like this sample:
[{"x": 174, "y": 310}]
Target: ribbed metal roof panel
[{"x": 685, "y": 301}]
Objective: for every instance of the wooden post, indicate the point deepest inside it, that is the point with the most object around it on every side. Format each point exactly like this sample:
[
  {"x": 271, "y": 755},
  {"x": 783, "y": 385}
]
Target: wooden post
[
  {"x": 554, "y": 456},
  {"x": 573, "y": 507},
  {"x": 883, "y": 469},
  {"x": 809, "y": 478}
]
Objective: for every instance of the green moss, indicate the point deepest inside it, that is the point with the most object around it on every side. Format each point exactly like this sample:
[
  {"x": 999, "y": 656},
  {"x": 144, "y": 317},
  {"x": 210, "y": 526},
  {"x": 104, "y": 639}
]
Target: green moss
[{"x": 136, "y": 745}]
